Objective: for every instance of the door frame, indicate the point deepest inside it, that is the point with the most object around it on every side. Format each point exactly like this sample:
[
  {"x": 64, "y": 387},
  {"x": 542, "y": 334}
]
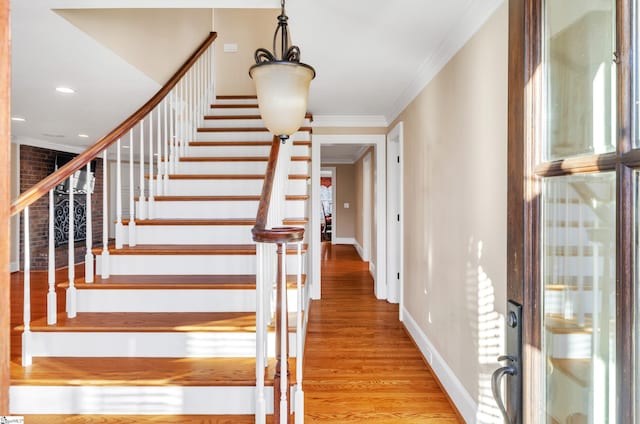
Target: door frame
[
  {"x": 523, "y": 215},
  {"x": 334, "y": 178},
  {"x": 395, "y": 180},
  {"x": 379, "y": 143},
  {"x": 366, "y": 208}
]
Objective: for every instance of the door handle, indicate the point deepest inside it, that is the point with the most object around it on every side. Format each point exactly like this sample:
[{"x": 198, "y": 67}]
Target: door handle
[{"x": 496, "y": 378}]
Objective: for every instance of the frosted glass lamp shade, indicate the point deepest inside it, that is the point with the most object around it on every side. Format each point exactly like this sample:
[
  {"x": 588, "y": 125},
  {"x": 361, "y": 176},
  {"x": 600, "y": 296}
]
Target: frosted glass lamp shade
[{"x": 283, "y": 89}]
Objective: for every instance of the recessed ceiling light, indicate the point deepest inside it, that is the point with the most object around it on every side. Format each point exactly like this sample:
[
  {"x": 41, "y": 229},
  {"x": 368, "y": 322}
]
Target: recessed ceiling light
[
  {"x": 83, "y": 136},
  {"x": 65, "y": 90},
  {"x": 17, "y": 119}
]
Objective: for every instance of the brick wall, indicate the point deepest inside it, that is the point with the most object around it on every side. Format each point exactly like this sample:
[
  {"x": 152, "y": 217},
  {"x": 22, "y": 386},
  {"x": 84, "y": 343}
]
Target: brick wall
[{"x": 35, "y": 164}]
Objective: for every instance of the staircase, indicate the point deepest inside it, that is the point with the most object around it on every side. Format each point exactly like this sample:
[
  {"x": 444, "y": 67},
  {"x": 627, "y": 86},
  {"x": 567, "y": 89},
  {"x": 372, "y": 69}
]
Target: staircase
[{"x": 168, "y": 326}]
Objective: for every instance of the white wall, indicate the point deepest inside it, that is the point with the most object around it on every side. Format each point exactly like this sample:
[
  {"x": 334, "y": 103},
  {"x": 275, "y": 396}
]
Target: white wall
[{"x": 455, "y": 204}]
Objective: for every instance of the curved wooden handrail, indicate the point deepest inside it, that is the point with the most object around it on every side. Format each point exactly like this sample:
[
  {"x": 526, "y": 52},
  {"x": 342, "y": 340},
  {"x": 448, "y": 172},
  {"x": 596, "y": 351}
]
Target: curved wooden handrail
[
  {"x": 267, "y": 188},
  {"x": 43, "y": 187}
]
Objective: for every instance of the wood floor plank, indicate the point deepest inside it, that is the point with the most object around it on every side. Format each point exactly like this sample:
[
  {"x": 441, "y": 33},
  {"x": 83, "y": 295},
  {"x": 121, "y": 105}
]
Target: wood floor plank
[{"x": 360, "y": 365}]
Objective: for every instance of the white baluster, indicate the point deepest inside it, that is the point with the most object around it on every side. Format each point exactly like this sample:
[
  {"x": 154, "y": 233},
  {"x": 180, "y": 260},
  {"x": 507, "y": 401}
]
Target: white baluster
[
  {"x": 104, "y": 272},
  {"x": 260, "y": 336},
  {"x": 52, "y": 299},
  {"x": 151, "y": 202},
  {"x": 71, "y": 263},
  {"x": 578, "y": 299},
  {"x": 568, "y": 304},
  {"x": 167, "y": 149},
  {"x": 88, "y": 257},
  {"x": 142, "y": 203},
  {"x": 183, "y": 118},
  {"x": 132, "y": 205},
  {"x": 159, "y": 188},
  {"x": 299, "y": 398},
  {"x": 119, "y": 227},
  {"x": 284, "y": 334},
  {"x": 26, "y": 317},
  {"x": 172, "y": 136}
]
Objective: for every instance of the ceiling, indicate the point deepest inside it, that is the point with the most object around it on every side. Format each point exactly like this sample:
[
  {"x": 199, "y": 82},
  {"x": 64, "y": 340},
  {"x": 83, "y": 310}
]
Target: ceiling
[{"x": 372, "y": 58}]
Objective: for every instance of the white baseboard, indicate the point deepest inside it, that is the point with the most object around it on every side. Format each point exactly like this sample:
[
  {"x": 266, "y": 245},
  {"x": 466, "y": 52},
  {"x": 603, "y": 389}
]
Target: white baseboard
[
  {"x": 344, "y": 240},
  {"x": 359, "y": 249},
  {"x": 372, "y": 270},
  {"x": 14, "y": 266},
  {"x": 456, "y": 391}
]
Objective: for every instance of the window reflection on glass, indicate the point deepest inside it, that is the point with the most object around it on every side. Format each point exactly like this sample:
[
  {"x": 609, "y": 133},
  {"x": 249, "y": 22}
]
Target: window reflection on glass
[
  {"x": 580, "y": 77},
  {"x": 579, "y": 308}
]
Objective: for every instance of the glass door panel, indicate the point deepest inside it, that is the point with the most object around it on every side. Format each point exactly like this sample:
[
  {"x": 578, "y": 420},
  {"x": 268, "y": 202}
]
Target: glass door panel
[
  {"x": 579, "y": 303},
  {"x": 580, "y": 78}
]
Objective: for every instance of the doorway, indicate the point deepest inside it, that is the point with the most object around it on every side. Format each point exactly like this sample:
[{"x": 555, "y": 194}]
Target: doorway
[
  {"x": 394, "y": 214},
  {"x": 328, "y": 183}
]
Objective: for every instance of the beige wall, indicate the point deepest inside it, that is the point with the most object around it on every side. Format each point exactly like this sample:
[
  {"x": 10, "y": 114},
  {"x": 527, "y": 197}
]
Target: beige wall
[
  {"x": 156, "y": 41},
  {"x": 345, "y": 193},
  {"x": 359, "y": 228},
  {"x": 455, "y": 183},
  {"x": 249, "y": 29}
]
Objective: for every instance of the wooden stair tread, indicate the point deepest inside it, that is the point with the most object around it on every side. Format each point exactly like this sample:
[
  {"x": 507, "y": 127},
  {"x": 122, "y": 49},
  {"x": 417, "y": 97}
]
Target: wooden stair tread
[
  {"x": 578, "y": 370},
  {"x": 219, "y": 117},
  {"x": 150, "y": 322},
  {"x": 143, "y": 419},
  {"x": 187, "y": 249},
  {"x": 225, "y": 159},
  {"x": 228, "y": 143},
  {"x": 203, "y": 372},
  {"x": 301, "y": 158},
  {"x": 213, "y": 222},
  {"x": 562, "y": 287},
  {"x": 299, "y": 177},
  {"x": 235, "y": 106},
  {"x": 244, "y": 129},
  {"x": 216, "y": 176},
  {"x": 558, "y": 325},
  {"x": 221, "y": 198},
  {"x": 236, "y": 96},
  {"x": 174, "y": 282}
]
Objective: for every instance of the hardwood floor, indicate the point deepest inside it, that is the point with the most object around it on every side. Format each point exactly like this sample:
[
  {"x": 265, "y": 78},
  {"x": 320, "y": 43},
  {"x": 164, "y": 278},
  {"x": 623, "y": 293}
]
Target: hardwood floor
[{"x": 360, "y": 365}]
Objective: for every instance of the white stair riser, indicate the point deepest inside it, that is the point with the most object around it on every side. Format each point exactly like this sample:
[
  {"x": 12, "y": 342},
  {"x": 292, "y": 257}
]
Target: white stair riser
[
  {"x": 194, "y": 344},
  {"x": 558, "y": 301},
  {"x": 135, "y": 400},
  {"x": 244, "y": 123},
  {"x": 220, "y": 209},
  {"x": 231, "y": 150},
  {"x": 185, "y": 264},
  {"x": 191, "y": 234},
  {"x": 234, "y": 111},
  {"x": 214, "y": 187},
  {"x": 253, "y": 101},
  {"x": 570, "y": 346},
  {"x": 295, "y": 187},
  {"x": 234, "y": 168},
  {"x": 166, "y": 300},
  {"x": 246, "y": 136}
]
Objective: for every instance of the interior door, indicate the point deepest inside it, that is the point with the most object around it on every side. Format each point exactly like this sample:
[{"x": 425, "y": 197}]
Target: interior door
[{"x": 572, "y": 228}]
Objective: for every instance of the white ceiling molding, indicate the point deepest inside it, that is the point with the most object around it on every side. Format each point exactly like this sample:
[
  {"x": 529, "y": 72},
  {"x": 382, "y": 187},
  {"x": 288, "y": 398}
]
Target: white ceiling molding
[
  {"x": 470, "y": 22},
  {"x": 162, "y": 4},
  {"x": 28, "y": 141},
  {"x": 356, "y": 121}
]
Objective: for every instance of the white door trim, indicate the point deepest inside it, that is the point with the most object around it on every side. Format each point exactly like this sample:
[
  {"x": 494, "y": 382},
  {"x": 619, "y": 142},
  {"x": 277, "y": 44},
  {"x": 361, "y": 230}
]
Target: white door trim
[
  {"x": 395, "y": 180},
  {"x": 379, "y": 142},
  {"x": 366, "y": 208},
  {"x": 334, "y": 185}
]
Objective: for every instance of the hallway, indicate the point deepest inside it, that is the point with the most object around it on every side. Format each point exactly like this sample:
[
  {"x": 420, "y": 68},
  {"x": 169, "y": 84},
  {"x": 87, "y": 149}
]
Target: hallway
[{"x": 360, "y": 364}]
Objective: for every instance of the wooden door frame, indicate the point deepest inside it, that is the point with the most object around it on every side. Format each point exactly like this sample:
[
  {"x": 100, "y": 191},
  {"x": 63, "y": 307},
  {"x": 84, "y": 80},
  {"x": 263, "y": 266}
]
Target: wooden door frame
[
  {"x": 5, "y": 169},
  {"x": 523, "y": 205}
]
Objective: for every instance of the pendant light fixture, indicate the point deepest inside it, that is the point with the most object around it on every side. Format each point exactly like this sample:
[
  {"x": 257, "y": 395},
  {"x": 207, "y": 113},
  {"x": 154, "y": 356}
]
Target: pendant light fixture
[{"x": 282, "y": 83}]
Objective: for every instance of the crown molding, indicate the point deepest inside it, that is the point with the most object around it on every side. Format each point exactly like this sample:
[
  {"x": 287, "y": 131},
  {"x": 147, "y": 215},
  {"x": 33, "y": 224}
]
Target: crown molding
[
  {"x": 163, "y": 4},
  {"x": 356, "y": 121},
  {"x": 470, "y": 22}
]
